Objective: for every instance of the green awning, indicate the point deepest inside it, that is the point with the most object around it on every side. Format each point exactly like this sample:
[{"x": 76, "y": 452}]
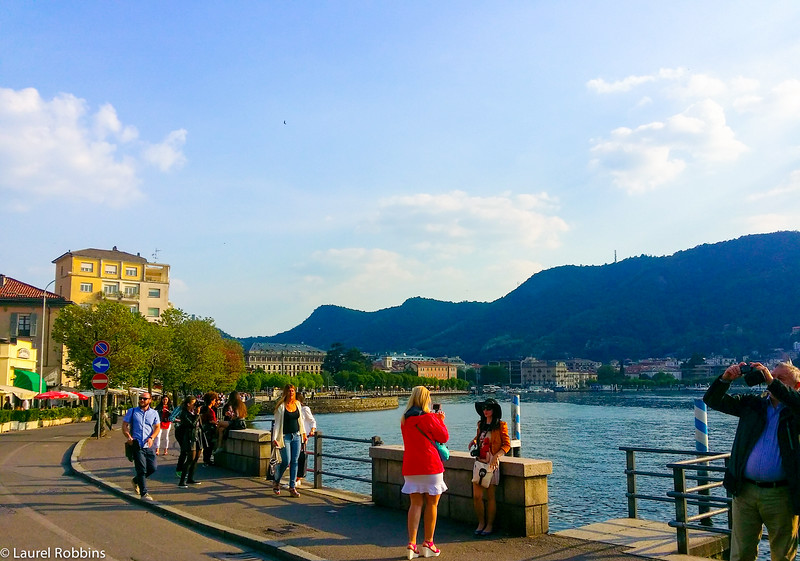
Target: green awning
[{"x": 28, "y": 380}]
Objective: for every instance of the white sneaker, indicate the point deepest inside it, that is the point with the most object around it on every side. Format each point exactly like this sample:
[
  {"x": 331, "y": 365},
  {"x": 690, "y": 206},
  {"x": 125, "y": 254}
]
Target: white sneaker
[
  {"x": 147, "y": 497},
  {"x": 297, "y": 482}
]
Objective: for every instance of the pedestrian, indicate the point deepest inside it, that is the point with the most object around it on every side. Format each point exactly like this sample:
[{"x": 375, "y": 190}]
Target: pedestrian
[
  {"x": 288, "y": 434},
  {"x": 7, "y": 403},
  {"x": 763, "y": 471},
  {"x": 310, "y": 423},
  {"x": 141, "y": 425},
  {"x": 189, "y": 438},
  {"x": 234, "y": 414},
  {"x": 423, "y": 470},
  {"x": 208, "y": 419},
  {"x": 491, "y": 443},
  {"x": 165, "y": 412}
]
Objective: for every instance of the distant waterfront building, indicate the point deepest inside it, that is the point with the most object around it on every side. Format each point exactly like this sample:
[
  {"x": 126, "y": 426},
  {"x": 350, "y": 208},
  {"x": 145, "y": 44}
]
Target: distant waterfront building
[
  {"x": 433, "y": 369},
  {"x": 21, "y": 307},
  {"x": 282, "y": 358},
  {"x": 514, "y": 369},
  {"x": 89, "y": 275}
]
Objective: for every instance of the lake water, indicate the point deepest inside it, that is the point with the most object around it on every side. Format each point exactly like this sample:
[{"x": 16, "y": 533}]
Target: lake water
[{"x": 579, "y": 432}]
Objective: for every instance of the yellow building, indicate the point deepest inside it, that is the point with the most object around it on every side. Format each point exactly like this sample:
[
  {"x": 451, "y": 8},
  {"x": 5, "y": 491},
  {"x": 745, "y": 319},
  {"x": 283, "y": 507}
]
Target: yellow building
[
  {"x": 27, "y": 314},
  {"x": 88, "y": 275},
  {"x": 18, "y": 366}
]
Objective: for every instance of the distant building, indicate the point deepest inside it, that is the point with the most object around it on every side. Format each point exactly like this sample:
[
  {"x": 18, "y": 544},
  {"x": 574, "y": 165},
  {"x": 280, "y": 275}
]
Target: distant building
[
  {"x": 21, "y": 307},
  {"x": 433, "y": 369},
  {"x": 89, "y": 275},
  {"x": 18, "y": 366},
  {"x": 288, "y": 359},
  {"x": 514, "y": 369},
  {"x": 552, "y": 373}
]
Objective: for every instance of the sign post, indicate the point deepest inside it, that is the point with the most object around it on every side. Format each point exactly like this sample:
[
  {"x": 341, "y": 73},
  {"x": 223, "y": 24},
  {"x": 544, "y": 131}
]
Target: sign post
[{"x": 100, "y": 380}]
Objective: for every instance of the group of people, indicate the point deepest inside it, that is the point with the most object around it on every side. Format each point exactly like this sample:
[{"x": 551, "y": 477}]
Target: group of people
[
  {"x": 423, "y": 469},
  {"x": 198, "y": 429}
]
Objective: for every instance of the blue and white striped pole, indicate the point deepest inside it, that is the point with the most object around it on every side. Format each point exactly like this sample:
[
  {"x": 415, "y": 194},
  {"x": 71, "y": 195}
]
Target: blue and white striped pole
[
  {"x": 700, "y": 426},
  {"x": 701, "y": 445},
  {"x": 516, "y": 443}
]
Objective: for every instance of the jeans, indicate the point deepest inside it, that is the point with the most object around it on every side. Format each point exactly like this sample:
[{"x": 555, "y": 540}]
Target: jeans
[
  {"x": 144, "y": 462},
  {"x": 289, "y": 454}
]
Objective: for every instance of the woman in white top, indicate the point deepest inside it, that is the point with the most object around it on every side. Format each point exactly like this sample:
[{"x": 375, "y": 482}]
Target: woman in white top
[
  {"x": 288, "y": 434},
  {"x": 310, "y": 424}
]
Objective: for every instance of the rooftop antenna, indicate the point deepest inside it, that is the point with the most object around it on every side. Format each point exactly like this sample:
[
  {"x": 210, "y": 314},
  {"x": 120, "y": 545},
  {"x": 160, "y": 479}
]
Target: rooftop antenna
[{"x": 155, "y": 255}]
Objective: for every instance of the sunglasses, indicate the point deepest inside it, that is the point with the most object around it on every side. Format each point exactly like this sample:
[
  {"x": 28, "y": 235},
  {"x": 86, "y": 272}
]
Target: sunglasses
[{"x": 143, "y": 398}]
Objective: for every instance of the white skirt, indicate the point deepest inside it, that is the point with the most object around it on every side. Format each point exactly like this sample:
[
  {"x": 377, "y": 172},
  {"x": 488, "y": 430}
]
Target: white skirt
[{"x": 429, "y": 484}]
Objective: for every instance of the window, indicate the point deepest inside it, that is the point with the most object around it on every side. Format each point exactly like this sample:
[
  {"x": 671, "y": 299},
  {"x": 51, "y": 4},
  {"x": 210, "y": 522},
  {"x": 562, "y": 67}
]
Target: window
[
  {"x": 130, "y": 271},
  {"x": 111, "y": 269},
  {"x": 131, "y": 290},
  {"x": 154, "y": 293},
  {"x": 23, "y": 325},
  {"x": 152, "y": 312},
  {"x": 87, "y": 267},
  {"x": 134, "y": 308},
  {"x": 111, "y": 288},
  {"x": 86, "y": 287}
]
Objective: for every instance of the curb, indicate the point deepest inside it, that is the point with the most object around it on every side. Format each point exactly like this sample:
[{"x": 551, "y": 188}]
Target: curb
[{"x": 272, "y": 547}]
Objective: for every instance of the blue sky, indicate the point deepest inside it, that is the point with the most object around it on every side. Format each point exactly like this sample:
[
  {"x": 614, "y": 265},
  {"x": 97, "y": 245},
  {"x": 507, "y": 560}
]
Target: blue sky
[{"x": 282, "y": 156}]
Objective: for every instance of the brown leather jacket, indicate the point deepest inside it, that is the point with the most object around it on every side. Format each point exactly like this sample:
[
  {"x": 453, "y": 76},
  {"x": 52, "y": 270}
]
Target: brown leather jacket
[{"x": 498, "y": 438}]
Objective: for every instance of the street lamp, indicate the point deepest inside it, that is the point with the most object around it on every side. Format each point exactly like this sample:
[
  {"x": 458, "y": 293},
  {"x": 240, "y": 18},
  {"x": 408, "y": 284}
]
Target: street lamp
[{"x": 44, "y": 326}]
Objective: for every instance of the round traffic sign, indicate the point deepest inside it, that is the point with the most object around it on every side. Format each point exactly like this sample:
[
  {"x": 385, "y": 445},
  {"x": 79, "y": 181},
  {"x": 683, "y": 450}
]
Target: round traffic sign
[
  {"x": 100, "y": 364},
  {"x": 100, "y": 381},
  {"x": 101, "y": 348}
]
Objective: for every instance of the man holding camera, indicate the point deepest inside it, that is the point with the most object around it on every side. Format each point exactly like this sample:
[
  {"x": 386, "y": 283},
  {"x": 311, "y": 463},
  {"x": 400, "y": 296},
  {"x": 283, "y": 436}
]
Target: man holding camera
[{"x": 763, "y": 472}]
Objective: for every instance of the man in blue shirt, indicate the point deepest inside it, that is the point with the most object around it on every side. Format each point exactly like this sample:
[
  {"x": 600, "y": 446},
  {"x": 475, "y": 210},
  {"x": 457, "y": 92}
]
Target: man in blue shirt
[
  {"x": 140, "y": 425},
  {"x": 763, "y": 472}
]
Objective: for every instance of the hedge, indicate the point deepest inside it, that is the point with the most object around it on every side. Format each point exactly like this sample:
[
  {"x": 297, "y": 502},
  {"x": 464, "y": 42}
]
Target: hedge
[{"x": 44, "y": 414}]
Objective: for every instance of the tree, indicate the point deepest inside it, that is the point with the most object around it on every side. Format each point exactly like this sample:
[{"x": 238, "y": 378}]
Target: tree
[
  {"x": 79, "y": 328},
  {"x": 494, "y": 375},
  {"x": 607, "y": 374}
]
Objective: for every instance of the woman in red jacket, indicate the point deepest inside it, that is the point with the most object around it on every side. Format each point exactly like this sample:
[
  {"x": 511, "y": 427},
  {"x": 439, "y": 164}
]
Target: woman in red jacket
[{"x": 423, "y": 470}]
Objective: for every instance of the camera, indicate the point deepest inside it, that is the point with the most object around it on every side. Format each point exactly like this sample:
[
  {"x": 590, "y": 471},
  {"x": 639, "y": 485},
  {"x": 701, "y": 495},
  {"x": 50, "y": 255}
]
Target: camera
[
  {"x": 752, "y": 376},
  {"x": 437, "y": 407},
  {"x": 474, "y": 452}
]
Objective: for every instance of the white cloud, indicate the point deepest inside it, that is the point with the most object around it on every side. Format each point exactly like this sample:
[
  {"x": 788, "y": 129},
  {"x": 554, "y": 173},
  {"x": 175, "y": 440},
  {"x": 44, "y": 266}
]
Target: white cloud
[
  {"x": 789, "y": 187},
  {"x": 600, "y": 86},
  {"x": 455, "y": 223},
  {"x": 57, "y": 149},
  {"x": 654, "y": 154}
]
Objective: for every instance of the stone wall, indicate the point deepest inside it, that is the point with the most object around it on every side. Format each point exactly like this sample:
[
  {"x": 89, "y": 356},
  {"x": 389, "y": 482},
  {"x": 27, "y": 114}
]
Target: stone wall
[
  {"x": 246, "y": 451},
  {"x": 521, "y": 494}
]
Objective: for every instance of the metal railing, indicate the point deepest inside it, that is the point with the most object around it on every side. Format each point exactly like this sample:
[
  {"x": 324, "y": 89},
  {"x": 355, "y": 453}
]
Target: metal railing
[
  {"x": 681, "y": 495},
  {"x": 699, "y": 495},
  {"x": 318, "y": 456}
]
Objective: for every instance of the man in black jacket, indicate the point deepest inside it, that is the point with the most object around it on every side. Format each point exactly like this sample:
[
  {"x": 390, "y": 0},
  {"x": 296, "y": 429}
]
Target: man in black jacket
[{"x": 763, "y": 473}]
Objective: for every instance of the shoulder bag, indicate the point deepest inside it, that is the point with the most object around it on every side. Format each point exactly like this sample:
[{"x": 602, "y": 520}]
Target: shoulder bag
[{"x": 444, "y": 453}]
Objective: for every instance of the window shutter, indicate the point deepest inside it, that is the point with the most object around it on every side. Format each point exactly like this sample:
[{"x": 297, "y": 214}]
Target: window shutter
[
  {"x": 14, "y": 325},
  {"x": 34, "y": 319}
]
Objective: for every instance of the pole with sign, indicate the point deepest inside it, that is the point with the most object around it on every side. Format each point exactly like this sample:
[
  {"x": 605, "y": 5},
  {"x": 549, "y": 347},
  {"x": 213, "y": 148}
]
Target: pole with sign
[{"x": 100, "y": 365}]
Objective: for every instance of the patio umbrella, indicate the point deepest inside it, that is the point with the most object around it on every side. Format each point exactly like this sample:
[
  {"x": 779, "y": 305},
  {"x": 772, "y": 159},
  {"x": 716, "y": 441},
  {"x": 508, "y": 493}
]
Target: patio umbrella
[
  {"x": 53, "y": 395},
  {"x": 76, "y": 395}
]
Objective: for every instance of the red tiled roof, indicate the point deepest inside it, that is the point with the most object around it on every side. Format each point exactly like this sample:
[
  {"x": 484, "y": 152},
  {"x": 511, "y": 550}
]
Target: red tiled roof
[{"x": 12, "y": 288}]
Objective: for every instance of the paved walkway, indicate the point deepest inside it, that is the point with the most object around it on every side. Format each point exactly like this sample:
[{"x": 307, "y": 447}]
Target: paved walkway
[{"x": 321, "y": 524}]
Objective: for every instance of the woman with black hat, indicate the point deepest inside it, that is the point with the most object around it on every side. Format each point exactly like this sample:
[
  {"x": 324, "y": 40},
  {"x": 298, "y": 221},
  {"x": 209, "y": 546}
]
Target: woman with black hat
[{"x": 491, "y": 442}]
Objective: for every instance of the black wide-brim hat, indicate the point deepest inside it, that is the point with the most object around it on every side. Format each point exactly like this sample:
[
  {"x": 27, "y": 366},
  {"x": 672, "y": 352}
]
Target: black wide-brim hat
[{"x": 497, "y": 412}]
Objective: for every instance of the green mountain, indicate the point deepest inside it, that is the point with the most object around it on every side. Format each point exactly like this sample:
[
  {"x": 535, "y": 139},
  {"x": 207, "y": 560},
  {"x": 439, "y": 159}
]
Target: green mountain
[{"x": 735, "y": 297}]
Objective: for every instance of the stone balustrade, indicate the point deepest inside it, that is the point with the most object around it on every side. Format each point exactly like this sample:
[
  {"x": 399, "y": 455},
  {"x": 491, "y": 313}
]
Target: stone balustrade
[
  {"x": 521, "y": 495},
  {"x": 247, "y": 451}
]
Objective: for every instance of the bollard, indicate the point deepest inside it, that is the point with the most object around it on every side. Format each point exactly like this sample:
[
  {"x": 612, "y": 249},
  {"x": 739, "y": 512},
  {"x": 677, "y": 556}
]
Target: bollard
[
  {"x": 516, "y": 444},
  {"x": 701, "y": 445}
]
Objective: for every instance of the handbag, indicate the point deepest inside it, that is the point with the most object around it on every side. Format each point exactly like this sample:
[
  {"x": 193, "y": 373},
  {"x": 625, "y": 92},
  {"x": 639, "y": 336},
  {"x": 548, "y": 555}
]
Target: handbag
[
  {"x": 483, "y": 475},
  {"x": 301, "y": 462},
  {"x": 131, "y": 446},
  {"x": 444, "y": 453},
  {"x": 274, "y": 460}
]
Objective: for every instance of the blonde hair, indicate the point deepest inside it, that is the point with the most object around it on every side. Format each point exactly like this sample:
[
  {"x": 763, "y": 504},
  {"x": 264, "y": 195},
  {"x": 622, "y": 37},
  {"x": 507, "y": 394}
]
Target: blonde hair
[
  {"x": 420, "y": 397},
  {"x": 283, "y": 398}
]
